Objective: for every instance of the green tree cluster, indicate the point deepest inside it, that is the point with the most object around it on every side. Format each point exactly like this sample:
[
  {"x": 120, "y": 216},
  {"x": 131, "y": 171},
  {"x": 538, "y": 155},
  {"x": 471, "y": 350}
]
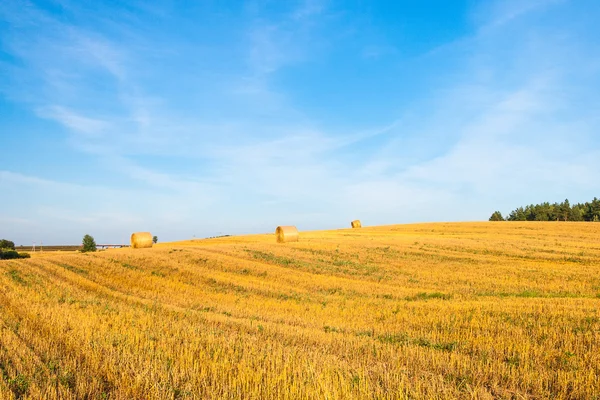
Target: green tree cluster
[
  {"x": 89, "y": 244},
  {"x": 8, "y": 252},
  {"x": 7, "y": 244},
  {"x": 588, "y": 211},
  {"x": 497, "y": 216}
]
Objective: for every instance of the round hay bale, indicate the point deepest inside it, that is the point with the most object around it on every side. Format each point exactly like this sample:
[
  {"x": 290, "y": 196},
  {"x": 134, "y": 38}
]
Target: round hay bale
[
  {"x": 356, "y": 223},
  {"x": 141, "y": 240},
  {"x": 287, "y": 234}
]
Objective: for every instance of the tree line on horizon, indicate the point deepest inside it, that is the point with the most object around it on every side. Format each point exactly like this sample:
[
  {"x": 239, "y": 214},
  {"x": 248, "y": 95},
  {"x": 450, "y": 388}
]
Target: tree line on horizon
[{"x": 588, "y": 211}]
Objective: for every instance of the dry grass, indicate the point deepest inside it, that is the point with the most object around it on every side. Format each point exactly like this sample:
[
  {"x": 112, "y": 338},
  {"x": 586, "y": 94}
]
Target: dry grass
[{"x": 477, "y": 310}]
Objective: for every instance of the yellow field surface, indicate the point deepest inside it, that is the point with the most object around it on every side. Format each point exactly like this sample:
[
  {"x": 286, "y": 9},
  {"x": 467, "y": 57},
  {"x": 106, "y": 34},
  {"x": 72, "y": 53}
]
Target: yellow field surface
[{"x": 456, "y": 310}]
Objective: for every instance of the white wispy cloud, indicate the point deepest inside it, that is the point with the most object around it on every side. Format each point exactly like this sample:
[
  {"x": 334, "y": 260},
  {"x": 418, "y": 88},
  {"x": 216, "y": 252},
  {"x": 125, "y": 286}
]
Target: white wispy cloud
[
  {"x": 67, "y": 210},
  {"x": 493, "y": 14},
  {"x": 90, "y": 127},
  {"x": 286, "y": 39}
]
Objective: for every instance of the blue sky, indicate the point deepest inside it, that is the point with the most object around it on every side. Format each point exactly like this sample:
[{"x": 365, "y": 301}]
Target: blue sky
[{"x": 212, "y": 117}]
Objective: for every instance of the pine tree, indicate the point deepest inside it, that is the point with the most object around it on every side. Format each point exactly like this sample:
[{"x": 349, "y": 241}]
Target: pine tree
[
  {"x": 595, "y": 208},
  {"x": 588, "y": 211},
  {"x": 565, "y": 210},
  {"x": 497, "y": 216},
  {"x": 576, "y": 213},
  {"x": 518, "y": 215}
]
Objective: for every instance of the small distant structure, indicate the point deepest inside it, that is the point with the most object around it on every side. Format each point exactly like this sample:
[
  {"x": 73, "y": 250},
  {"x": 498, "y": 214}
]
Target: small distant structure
[
  {"x": 110, "y": 246},
  {"x": 41, "y": 247},
  {"x": 356, "y": 224},
  {"x": 287, "y": 234}
]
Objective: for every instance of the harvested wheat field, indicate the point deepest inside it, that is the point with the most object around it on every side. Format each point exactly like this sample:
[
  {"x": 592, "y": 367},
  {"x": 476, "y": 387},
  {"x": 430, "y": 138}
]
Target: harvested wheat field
[{"x": 443, "y": 311}]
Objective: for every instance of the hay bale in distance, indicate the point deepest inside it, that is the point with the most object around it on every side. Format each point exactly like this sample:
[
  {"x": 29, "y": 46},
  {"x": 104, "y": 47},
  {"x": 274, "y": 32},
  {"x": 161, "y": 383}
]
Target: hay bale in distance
[
  {"x": 356, "y": 223},
  {"x": 141, "y": 240},
  {"x": 287, "y": 234}
]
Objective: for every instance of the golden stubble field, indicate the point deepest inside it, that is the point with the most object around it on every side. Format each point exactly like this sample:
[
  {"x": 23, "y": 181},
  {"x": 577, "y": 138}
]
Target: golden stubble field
[{"x": 449, "y": 310}]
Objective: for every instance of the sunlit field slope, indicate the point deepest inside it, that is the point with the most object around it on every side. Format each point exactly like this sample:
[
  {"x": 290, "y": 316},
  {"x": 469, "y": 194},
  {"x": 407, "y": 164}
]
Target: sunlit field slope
[{"x": 470, "y": 310}]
